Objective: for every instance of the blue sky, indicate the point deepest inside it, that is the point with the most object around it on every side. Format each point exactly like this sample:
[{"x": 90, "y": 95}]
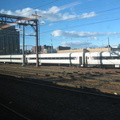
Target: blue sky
[{"x": 73, "y": 23}]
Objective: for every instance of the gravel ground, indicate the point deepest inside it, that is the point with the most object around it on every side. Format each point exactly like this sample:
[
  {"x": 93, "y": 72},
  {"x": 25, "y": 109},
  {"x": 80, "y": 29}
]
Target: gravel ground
[{"x": 97, "y": 78}]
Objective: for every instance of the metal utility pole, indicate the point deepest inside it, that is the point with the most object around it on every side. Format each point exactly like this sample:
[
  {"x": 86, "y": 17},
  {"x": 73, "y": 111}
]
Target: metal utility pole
[
  {"x": 37, "y": 57},
  {"x": 108, "y": 45},
  {"x": 23, "y": 51},
  {"x": 51, "y": 45},
  {"x": 36, "y": 35}
]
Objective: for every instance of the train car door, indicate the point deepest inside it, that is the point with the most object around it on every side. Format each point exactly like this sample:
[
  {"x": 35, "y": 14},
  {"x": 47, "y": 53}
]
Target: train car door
[
  {"x": 80, "y": 61},
  {"x": 86, "y": 59}
]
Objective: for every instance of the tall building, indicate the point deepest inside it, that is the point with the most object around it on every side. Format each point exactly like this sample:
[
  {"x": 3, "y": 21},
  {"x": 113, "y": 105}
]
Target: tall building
[{"x": 9, "y": 41}]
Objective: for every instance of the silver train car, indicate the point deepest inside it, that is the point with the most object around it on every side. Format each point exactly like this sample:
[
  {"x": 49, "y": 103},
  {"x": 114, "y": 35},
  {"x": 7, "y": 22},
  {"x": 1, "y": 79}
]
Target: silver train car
[
  {"x": 103, "y": 59},
  {"x": 56, "y": 58},
  {"x": 11, "y": 58},
  {"x": 88, "y": 59}
]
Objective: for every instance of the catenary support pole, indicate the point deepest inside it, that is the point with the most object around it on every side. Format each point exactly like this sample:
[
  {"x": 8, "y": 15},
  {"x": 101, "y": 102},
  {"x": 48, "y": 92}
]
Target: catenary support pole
[
  {"x": 23, "y": 51},
  {"x": 37, "y": 57}
]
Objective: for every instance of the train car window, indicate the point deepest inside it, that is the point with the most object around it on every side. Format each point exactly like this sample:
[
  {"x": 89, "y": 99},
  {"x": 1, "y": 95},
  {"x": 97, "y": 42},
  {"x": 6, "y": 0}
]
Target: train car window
[
  {"x": 106, "y": 57},
  {"x": 96, "y": 58},
  {"x": 11, "y": 58},
  {"x": 54, "y": 58},
  {"x": 115, "y": 57},
  {"x": 17, "y": 58},
  {"x": 4, "y": 58},
  {"x": 32, "y": 58}
]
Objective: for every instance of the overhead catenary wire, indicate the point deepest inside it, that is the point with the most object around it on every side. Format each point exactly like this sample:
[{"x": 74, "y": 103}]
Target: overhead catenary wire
[
  {"x": 40, "y": 6},
  {"x": 79, "y": 9},
  {"x": 86, "y": 24},
  {"x": 59, "y": 0},
  {"x": 79, "y": 17},
  {"x": 97, "y": 5},
  {"x": 83, "y": 25},
  {"x": 102, "y": 21}
]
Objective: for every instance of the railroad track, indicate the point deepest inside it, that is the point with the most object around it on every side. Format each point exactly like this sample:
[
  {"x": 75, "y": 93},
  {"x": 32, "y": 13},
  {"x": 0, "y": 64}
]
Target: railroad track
[
  {"x": 59, "y": 92},
  {"x": 6, "y": 110},
  {"x": 69, "y": 87}
]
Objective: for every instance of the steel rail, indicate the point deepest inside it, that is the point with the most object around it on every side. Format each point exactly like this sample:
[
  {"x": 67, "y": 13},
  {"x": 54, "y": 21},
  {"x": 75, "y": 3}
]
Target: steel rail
[
  {"x": 70, "y": 89},
  {"x": 15, "y": 112}
]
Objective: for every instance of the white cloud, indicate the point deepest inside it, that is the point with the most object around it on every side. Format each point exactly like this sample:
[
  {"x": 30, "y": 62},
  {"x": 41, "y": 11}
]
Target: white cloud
[
  {"x": 27, "y": 12},
  {"x": 6, "y": 12},
  {"x": 57, "y": 33},
  {"x": 53, "y": 9},
  {"x": 88, "y": 15},
  {"x": 57, "y": 16},
  {"x": 76, "y": 44},
  {"x": 74, "y": 34},
  {"x": 70, "y": 5},
  {"x": 79, "y": 44},
  {"x": 94, "y": 38},
  {"x": 52, "y": 14}
]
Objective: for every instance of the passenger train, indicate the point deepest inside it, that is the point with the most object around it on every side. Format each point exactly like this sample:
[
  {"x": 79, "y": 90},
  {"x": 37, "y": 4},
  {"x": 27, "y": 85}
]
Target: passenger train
[{"x": 82, "y": 59}]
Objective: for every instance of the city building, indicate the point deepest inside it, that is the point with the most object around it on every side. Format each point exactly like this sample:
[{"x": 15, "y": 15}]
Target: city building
[
  {"x": 9, "y": 41},
  {"x": 116, "y": 48},
  {"x": 34, "y": 49},
  {"x": 43, "y": 49},
  {"x": 63, "y": 48},
  {"x": 60, "y": 49},
  {"x": 104, "y": 49}
]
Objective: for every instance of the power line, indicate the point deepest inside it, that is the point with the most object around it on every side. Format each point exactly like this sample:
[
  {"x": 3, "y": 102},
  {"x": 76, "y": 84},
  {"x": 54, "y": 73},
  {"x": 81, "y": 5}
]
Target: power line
[
  {"x": 86, "y": 24},
  {"x": 58, "y": 0},
  {"x": 79, "y": 17},
  {"x": 104, "y": 3},
  {"x": 109, "y": 10},
  {"x": 41, "y": 6},
  {"x": 47, "y": 4}
]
